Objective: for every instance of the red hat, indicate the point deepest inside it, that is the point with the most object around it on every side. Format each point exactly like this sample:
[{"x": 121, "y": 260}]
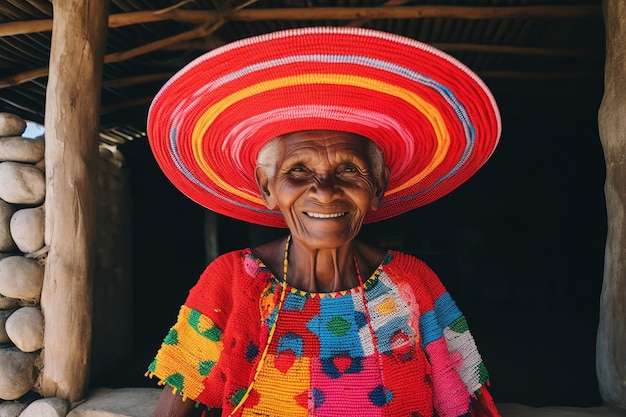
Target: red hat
[{"x": 434, "y": 119}]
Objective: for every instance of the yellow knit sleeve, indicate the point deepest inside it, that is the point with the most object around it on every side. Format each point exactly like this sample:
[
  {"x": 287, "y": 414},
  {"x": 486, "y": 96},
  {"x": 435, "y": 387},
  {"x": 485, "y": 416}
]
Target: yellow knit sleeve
[{"x": 188, "y": 353}]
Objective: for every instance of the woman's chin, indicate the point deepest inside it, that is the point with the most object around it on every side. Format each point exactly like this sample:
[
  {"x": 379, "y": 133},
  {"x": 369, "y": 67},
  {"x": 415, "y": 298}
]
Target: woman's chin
[{"x": 320, "y": 239}]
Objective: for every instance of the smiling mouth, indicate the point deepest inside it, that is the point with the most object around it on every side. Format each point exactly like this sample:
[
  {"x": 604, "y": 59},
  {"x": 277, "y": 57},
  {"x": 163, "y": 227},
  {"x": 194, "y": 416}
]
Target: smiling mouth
[{"x": 325, "y": 216}]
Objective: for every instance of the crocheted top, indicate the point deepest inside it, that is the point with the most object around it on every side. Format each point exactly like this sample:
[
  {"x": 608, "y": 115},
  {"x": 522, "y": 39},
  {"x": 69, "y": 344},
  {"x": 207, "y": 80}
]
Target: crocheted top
[{"x": 402, "y": 349}]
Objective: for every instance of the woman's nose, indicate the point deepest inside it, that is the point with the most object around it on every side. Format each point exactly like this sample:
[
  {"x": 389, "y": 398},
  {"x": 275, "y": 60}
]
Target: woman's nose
[{"x": 325, "y": 188}]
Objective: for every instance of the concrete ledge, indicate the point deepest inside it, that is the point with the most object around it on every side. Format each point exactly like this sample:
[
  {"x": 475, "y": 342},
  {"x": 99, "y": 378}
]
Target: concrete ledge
[
  {"x": 123, "y": 402},
  {"x": 139, "y": 402}
]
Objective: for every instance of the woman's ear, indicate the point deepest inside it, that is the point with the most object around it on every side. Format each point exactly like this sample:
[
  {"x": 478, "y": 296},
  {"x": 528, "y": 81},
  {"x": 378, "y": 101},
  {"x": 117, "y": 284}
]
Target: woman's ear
[
  {"x": 263, "y": 182},
  {"x": 381, "y": 187}
]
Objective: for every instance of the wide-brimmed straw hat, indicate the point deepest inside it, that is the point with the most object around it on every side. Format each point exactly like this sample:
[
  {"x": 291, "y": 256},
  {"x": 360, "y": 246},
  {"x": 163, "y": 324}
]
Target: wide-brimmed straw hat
[{"x": 434, "y": 119}]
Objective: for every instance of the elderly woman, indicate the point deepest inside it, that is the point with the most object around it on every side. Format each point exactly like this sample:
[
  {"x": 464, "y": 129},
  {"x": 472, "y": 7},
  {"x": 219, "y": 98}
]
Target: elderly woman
[{"x": 321, "y": 130}]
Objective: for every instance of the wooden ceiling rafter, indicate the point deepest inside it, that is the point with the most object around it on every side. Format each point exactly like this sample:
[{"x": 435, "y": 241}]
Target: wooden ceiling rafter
[
  {"x": 199, "y": 32},
  {"x": 44, "y": 7},
  {"x": 503, "y": 43},
  {"x": 352, "y": 13},
  {"x": 206, "y": 29},
  {"x": 24, "y": 27},
  {"x": 324, "y": 13},
  {"x": 388, "y": 3},
  {"x": 212, "y": 20}
]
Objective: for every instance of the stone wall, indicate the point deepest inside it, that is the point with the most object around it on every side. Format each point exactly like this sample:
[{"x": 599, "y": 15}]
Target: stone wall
[
  {"x": 22, "y": 257},
  {"x": 22, "y": 253}
]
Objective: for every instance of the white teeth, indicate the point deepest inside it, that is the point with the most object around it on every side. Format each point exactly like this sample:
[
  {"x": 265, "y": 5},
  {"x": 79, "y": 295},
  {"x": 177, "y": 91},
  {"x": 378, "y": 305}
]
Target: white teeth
[{"x": 324, "y": 216}]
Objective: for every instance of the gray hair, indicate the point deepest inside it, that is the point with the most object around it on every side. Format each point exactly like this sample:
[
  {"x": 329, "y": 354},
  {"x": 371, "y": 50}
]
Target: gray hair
[{"x": 268, "y": 156}]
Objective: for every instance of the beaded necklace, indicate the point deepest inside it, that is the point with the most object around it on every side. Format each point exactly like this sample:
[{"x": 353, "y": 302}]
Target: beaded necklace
[{"x": 270, "y": 336}]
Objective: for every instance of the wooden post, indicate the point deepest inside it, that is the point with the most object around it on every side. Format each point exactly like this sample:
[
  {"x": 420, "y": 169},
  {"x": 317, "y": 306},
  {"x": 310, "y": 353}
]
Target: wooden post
[
  {"x": 611, "y": 344},
  {"x": 71, "y": 128}
]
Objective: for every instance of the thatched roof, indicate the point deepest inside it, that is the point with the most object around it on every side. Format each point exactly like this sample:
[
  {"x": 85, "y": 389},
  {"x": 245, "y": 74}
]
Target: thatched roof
[{"x": 522, "y": 48}]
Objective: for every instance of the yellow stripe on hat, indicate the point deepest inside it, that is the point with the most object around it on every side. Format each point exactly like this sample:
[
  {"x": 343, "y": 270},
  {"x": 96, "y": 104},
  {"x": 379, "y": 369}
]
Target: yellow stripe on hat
[{"x": 427, "y": 109}]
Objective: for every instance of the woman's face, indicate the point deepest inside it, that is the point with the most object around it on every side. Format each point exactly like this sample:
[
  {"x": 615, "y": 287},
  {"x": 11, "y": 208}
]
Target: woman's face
[{"x": 324, "y": 183}]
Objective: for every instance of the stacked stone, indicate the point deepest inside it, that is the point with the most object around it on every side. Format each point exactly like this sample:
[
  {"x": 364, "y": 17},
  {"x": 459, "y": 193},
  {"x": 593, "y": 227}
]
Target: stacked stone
[
  {"x": 22, "y": 258},
  {"x": 22, "y": 253}
]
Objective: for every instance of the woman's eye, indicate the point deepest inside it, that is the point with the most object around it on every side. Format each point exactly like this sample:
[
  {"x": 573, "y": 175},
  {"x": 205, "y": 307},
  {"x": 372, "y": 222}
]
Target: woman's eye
[
  {"x": 298, "y": 169},
  {"x": 348, "y": 169}
]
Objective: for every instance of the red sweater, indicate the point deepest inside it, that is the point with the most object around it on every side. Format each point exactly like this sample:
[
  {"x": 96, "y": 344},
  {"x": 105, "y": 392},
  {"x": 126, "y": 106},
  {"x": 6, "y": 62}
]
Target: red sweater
[{"x": 400, "y": 348}]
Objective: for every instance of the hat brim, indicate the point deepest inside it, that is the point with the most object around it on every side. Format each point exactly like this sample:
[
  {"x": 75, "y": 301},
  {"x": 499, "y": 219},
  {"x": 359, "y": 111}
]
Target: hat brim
[{"x": 434, "y": 119}]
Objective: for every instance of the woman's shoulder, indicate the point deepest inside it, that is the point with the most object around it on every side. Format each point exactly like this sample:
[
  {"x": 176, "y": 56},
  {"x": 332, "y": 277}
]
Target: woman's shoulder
[
  {"x": 227, "y": 275},
  {"x": 238, "y": 264},
  {"x": 405, "y": 262},
  {"x": 404, "y": 267},
  {"x": 230, "y": 265}
]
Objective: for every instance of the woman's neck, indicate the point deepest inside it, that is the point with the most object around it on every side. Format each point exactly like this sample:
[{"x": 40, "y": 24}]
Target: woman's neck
[
  {"x": 314, "y": 270},
  {"x": 321, "y": 270}
]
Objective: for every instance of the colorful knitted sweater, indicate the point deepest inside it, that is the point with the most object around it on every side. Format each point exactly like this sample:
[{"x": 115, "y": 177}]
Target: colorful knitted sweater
[{"x": 401, "y": 349}]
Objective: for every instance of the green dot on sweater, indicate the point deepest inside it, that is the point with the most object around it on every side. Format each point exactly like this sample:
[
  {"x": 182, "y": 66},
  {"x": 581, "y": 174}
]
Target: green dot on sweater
[
  {"x": 238, "y": 396},
  {"x": 482, "y": 371},
  {"x": 214, "y": 333},
  {"x": 459, "y": 325},
  {"x": 171, "y": 338},
  {"x": 338, "y": 326},
  {"x": 175, "y": 380},
  {"x": 204, "y": 367}
]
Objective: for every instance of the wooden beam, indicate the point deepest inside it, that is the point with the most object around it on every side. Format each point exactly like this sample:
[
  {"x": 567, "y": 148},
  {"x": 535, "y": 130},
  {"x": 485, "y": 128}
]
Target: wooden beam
[
  {"x": 199, "y": 32},
  {"x": 212, "y": 20},
  {"x": 328, "y": 13},
  {"x": 388, "y": 3},
  {"x": 119, "y": 56},
  {"x": 23, "y": 77},
  {"x": 354, "y": 13},
  {"x": 24, "y": 27},
  {"x": 415, "y": 12},
  {"x": 71, "y": 159},
  {"x": 611, "y": 340}
]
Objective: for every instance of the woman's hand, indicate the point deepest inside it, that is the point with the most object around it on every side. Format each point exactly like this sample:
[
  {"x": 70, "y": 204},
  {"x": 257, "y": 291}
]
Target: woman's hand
[{"x": 173, "y": 405}]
